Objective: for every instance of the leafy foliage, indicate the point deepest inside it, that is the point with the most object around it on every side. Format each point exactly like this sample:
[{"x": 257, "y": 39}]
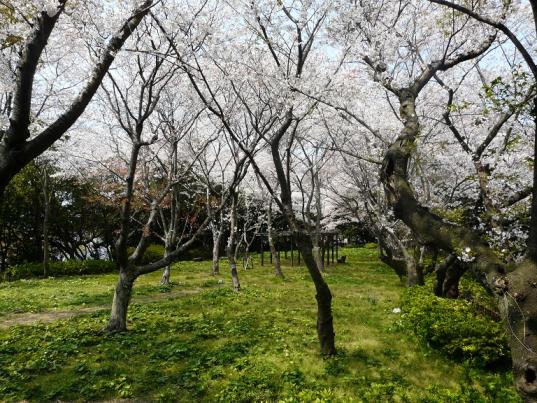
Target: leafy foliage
[{"x": 456, "y": 327}]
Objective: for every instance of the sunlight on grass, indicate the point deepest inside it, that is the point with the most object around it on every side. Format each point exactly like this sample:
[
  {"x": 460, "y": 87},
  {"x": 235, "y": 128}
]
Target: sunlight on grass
[{"x": 217, "y": 345}]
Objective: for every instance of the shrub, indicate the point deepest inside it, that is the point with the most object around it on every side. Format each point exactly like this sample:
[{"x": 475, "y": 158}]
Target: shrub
[
  {"x": 456, "y": 327},
  {"x": 371, "y": 245},
  {"x": 61, "y": 268}
]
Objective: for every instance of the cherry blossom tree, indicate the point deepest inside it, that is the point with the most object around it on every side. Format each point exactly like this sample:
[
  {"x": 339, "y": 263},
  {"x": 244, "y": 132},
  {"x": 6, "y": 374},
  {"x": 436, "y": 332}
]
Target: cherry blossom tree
[
  {"x": 21, "y": 139},
  {"x": 405, "y": 60}
]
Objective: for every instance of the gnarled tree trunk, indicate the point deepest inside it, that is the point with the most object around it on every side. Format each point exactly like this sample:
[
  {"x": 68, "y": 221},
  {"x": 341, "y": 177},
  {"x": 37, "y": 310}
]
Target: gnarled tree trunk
[{"x": 516, "y": 291}]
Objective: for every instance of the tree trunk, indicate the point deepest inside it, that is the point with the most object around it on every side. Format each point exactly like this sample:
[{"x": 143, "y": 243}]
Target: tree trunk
[
  {"x": 275, "y": 257},
  {"x": 231, "y": 247},
  {"x": 318, "y": 256},
  {"x": 165, "y": 279},
  {"x": 516, "y": 291},
  {"x": 440, "y": 273},
  {"x": 318, "y": 238},
  {"x": 325, "y": 325},
  {"x": 450, "y": 287},
  {"x": 387, "y": 257},
  {"x": 166, "y": 274},
  {"x": 413, "y": 273},
  {"x": 518, "y": 307},
  {"x": 120, "y": 304},
  {"x": 215, "y": 267}
]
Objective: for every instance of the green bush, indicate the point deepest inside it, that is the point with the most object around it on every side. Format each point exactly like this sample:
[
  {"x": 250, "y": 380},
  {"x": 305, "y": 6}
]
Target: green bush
[
  {"x": 456, "y": 327},
  {"x": 62, "y": 268},
  {"x": 371, "y": 245}
]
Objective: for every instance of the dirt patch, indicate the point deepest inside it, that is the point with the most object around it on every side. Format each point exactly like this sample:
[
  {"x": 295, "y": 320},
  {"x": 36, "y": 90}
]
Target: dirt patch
[{"x": 52, "y": 316}]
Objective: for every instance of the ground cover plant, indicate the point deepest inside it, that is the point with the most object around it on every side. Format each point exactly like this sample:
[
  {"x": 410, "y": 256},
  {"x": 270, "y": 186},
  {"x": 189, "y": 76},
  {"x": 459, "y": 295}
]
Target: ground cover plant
[{"x": 197, "y": 340}]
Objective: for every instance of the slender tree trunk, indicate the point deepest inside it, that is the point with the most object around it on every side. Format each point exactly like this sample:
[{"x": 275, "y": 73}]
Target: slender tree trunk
[
  {"x": 165, "y": 279},
  {"x": 325, "y": 325},
  {"x": 318, "y": 240},
  {"x": 275, "y": 258},
  {"x": 215, "y": 267},
  {"x": 231, "y": 244},
  {"x": 120, "y": 304},
  {"x": 166, "y": 274}
]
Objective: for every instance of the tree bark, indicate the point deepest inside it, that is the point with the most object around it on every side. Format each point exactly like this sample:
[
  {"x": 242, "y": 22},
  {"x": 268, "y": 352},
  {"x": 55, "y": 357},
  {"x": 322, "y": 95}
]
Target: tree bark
[
  {"x": 325, "y": 321},
  {"x": 215, "y": 266},
  {"x": 231, "y": 244},
  {"x": 387, "y": 257},
  {"x": 450, "y": 287},
  {"x": 120, "y": 304},
  {"x": 165, "y": 279}
]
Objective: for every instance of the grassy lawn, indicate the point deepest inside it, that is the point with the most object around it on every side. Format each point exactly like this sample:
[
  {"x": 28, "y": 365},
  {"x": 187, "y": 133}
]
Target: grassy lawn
[{"x": 217, "y": 345}]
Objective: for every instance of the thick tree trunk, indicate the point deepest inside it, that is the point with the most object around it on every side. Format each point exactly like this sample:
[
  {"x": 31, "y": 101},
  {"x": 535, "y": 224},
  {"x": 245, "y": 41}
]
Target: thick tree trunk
[
  {"x": 120, "y": 304},
  {"x": 518, "y": 307},
  {"x": 516, "y": 291},
  {"x": 325, "y": 325}
]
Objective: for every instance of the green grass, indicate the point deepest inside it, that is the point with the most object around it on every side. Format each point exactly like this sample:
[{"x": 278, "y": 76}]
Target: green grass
[{"x": 217, "y": 345}]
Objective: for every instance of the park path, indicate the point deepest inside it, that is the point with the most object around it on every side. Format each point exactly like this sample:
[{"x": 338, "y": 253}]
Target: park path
[{"x": 29, "y": 318}]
